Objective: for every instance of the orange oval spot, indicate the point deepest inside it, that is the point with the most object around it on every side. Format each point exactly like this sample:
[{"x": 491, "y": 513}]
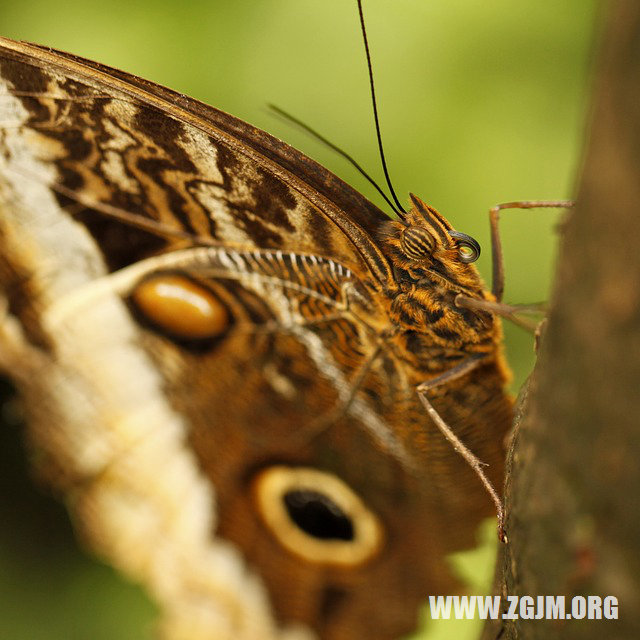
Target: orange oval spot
[{"x": 181, "y": 307}]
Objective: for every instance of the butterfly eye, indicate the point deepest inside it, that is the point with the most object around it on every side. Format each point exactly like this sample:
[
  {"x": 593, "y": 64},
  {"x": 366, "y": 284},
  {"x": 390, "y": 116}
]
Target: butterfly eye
[
  {"x": 416, "y": 243},
  {"x": 180, "y": 307},
  {"x": 316, "y": 516},
  {"x": 468, "y": 248}
]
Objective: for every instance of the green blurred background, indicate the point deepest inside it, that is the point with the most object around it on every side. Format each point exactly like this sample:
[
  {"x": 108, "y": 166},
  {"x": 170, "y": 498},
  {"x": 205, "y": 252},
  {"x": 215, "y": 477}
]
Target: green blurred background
[{"x": 481, "y": 102}]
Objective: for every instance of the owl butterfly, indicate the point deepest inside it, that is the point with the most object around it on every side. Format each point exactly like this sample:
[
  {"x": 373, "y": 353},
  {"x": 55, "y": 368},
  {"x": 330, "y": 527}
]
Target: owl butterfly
[{"x": 219, "y": 343}]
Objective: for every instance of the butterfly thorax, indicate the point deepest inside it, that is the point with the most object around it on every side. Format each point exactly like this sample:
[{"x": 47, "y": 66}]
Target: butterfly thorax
[{"x": 431, "y": 264}]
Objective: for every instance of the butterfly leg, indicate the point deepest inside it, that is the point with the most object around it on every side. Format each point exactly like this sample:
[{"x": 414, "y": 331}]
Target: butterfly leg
[
  {"x": 508, "y": 311},
  {"x": 341, "y": 409},
  {"x": 497, "y": 280},
  {"x": 470, "y": 458},
  {"x": 498, "y": 307}
]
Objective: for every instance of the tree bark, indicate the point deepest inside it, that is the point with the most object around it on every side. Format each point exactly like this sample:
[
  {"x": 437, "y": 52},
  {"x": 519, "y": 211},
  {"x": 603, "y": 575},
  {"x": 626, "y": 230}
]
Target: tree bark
[
  {"x": 573, "y": 491},
  {"x": 573, "y": 485}
]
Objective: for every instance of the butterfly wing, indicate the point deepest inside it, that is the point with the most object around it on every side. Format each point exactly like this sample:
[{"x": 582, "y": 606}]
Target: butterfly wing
[{"x": 289, "y": 433}]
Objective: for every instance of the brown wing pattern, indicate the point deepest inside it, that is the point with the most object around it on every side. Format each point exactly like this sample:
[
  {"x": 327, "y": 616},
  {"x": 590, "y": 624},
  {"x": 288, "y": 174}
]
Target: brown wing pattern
[
  {"x": 129, "y": 143},
  {"x": 305, "y": 372}
]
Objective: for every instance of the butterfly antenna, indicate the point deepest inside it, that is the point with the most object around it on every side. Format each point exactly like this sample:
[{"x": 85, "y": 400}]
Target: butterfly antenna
[
  {"x": 375, "y": 110},
  {"x": 287, "y": 116}
]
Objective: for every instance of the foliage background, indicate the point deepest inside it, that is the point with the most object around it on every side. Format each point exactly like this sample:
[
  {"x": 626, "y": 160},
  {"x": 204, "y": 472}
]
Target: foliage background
[{"x": 481, "y": 102}]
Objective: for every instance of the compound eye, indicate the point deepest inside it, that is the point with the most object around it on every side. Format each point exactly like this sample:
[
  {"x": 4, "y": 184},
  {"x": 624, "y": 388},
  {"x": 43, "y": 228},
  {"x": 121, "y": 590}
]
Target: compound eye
[
  {"x": 468, "y": 248},
  {"x": 416, "y": 243}
]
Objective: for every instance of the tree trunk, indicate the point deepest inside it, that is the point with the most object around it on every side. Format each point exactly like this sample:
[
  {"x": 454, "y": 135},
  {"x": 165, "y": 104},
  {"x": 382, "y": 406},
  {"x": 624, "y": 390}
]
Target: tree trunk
[{"x": 573, "y": 489}]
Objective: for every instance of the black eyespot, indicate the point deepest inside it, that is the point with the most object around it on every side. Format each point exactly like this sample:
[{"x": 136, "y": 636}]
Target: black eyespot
[
  {"x": 468, "y": 248},
  {"x": 317, "y": 515}
]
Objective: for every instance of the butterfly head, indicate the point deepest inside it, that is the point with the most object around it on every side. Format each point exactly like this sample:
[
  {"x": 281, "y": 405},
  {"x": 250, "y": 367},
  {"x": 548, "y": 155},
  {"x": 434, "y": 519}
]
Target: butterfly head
[
  {"x": 423, "y": 241},
  {"x": 432, "y": 265},
  {"x": 429, "y": 234}
]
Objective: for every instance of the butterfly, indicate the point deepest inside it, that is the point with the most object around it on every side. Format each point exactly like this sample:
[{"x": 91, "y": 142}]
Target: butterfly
[{"x": 223, "y": 349}]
